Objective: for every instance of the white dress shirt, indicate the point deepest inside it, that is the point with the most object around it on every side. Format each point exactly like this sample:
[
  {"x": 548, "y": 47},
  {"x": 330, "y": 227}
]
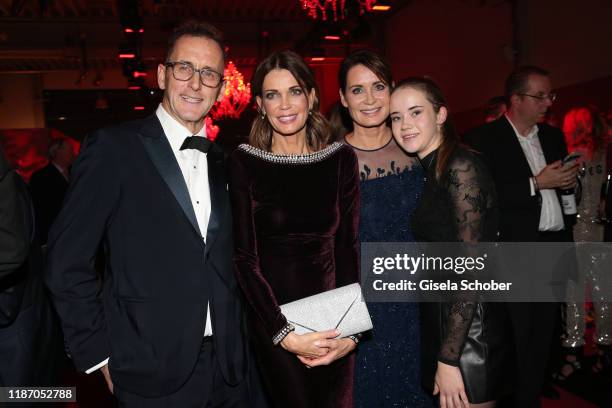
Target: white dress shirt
[
  {"x": 551, "y": 216},
  {"x": 194, "y": 168}
]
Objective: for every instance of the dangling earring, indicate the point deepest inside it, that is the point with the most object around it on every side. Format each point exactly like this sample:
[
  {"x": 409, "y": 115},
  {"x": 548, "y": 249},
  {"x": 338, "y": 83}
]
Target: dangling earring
[
  {"x": 309, "y": 112},
  {"x": 263, "y": 114}
]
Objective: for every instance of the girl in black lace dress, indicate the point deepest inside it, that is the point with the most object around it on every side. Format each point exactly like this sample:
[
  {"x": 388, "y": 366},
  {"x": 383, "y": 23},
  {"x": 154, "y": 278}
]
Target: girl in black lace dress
[{"x": 463, "y": 342}]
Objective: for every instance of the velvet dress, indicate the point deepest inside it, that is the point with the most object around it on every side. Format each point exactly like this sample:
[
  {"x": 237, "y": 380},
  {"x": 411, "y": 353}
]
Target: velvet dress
[
  {"x": 461, "y": 206},
  {"x": 296, "y": 232},
  {"x": 387, "y": 372}
]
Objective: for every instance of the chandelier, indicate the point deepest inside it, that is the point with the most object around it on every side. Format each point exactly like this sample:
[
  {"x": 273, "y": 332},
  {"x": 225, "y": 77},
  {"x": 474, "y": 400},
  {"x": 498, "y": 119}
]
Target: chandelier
[
  {"x": 212, "y": 130},
  {"x": 314, "y": 7},
  {"x": 237, "y": 95}
]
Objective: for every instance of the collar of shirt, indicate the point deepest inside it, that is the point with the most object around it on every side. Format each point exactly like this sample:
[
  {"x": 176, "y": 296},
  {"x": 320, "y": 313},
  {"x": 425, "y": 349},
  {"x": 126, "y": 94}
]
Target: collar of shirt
[
  {"x": 175, "y": 132},
  {"x": 529, "y": 136}
]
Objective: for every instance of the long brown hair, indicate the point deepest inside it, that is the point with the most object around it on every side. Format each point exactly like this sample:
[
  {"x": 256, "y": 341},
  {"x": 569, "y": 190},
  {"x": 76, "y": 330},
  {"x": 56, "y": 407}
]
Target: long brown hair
[
  {"x": 433, "y": 93},
  {"x": 317, "y": 127}
]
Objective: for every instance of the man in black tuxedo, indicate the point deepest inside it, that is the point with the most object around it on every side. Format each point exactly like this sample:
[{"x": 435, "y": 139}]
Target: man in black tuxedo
[
  {"x": 49, "y": 185},
  {"x": 30, "y": 341},
  {"x": 524, "y": 157},
  {"x": 166, "y": 329}
]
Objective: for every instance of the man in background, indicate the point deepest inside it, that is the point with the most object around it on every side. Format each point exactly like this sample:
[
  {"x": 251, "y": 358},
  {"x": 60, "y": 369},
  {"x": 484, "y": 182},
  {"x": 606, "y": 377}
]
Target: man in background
[
  {"x": 49, "y": 185},
  {"x": 495, "y": 108},
  {"x": 524, "y": 156},
  {"x": 31, "y": 349}
]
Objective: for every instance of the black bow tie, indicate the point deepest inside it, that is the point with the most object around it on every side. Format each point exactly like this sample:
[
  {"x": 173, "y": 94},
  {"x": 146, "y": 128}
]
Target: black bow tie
[{"x": 197, "y": 142}]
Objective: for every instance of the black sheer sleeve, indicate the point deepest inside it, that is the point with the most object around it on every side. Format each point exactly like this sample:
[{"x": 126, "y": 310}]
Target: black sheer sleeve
[{"x": 472, "y": 198}]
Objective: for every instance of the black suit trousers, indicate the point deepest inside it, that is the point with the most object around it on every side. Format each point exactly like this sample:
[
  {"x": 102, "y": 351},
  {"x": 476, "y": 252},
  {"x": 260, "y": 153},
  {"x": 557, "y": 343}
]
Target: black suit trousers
[
  {"x": 205, "y": 388},
  {"x": 533, "y": 328}
]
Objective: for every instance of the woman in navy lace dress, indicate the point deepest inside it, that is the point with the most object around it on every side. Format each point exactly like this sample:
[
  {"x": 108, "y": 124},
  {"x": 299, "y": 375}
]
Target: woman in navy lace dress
[{"x": 387, "y": 370}]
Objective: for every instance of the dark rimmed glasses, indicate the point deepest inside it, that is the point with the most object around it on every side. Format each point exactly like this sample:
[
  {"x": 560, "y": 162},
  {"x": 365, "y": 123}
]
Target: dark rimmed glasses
[
  {"x": 184, "y": 71},
  {"x": 551, "y": 96}
]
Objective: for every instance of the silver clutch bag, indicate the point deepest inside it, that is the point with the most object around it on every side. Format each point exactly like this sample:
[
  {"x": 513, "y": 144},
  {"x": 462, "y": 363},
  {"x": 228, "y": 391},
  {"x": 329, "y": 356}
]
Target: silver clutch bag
[{"x": 341, "y": 308}]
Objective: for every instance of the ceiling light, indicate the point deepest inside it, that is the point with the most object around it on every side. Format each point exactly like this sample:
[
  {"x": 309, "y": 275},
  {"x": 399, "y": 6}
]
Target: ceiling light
[{"x": 381, "y": 7}]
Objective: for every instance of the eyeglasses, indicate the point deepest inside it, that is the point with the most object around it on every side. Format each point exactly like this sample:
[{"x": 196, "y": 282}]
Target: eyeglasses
[
  {"x": 551, "y": 96},
  {"x": 183, "y": 71}
]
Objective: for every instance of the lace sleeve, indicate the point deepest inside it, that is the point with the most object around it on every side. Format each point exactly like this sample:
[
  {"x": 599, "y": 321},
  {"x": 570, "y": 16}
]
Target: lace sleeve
[{"x": 471, "y": 196}]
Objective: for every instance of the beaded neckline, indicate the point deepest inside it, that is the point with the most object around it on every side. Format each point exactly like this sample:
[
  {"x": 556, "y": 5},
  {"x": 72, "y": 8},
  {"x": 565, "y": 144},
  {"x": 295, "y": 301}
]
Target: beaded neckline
[{"x": 292, "y": 158}]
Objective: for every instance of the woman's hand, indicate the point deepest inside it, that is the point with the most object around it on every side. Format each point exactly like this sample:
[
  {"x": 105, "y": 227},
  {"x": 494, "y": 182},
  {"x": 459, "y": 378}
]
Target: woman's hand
[
  {"x": 449, "y": 384},
  {"x": 309, "y": 345},
  {"x": 338, "y": 348}
]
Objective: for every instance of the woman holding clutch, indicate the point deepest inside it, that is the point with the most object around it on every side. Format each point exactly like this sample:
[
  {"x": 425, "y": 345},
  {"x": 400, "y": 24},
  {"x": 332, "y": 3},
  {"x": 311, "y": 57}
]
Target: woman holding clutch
[
  {"x": 296, "y": 209},
  {"x": 462, "y": 341}
]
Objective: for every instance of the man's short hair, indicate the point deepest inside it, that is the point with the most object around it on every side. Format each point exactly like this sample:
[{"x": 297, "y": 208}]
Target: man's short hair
[
  {"x": 195, "y": 28},
  {"x": 517, "y": 80}
]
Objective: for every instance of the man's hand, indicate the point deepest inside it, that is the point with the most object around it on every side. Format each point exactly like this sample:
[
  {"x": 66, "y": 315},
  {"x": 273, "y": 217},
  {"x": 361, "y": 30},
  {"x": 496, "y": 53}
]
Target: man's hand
[
  {"x": 107, "y": 378},
  {"x": 338, "y": 348},
  {"x": 556, "y": 175}
]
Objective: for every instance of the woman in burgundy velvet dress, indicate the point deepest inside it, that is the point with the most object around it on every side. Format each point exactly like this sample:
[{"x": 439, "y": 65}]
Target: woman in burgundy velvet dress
[{"x": 296, "y": 209}]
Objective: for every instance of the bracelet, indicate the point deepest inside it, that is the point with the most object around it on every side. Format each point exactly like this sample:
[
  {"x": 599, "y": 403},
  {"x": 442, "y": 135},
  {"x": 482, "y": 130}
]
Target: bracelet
[
  {"x": 356, "y": 337},
  {"x": 282, "y": 333}
]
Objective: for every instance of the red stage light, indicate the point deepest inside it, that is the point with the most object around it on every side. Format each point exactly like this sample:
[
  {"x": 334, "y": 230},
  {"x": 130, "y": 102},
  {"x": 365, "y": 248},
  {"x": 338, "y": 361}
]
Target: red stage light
[
  {"x": 138, "y": 74},
  {"x": 134, "y": 88},
  {"x": 332, "y": 37},
  {"x": 381, "y": 7},
  {"x": 128, "y": 30},
  {"x": 317, "y": 59},
  {"x": 127, "y": 56},
  {"x": 139, "y": 108},
  {"x": 141, "y": 30}
]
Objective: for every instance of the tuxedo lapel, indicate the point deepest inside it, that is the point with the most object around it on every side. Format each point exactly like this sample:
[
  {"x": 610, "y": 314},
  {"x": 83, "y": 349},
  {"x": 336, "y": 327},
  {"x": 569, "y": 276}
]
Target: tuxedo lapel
[
  {"x": 512, "y": 148},
  {"x": 547, "y": 147},
  {"x": 161, "y": 155},
  {"x": 218, "y": 194}
]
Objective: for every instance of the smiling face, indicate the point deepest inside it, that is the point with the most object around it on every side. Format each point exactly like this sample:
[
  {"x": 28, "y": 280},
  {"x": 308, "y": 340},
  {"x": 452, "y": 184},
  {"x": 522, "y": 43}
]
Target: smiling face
[
  {"x": 415, "y": 124},
  {"x": 189, "y": 101},
  {"x": 285, "y": 103},
  {"x": 366, "y": 97}
]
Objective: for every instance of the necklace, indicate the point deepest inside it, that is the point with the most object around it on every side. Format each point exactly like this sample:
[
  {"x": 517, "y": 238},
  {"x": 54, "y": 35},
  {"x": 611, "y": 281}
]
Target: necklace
[{"x": 426, "y": 168}]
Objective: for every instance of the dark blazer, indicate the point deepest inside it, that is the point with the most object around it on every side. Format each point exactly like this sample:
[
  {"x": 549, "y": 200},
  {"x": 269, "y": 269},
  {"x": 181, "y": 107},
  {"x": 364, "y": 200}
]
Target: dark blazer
[
  {"x": 14, "y": 244},
  {"x": 519, "y": 210},
  {"x": 13, "y": 236},
  {"x": 48, "y": 188},
  {"x": 127, "y": 192},
  {"x": 28, "y": 326}
]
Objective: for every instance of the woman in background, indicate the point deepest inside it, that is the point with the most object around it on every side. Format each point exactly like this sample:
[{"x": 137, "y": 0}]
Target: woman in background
[
  {"x": 296, "y": 212},
  {"x": 585, "y": 135},
  {"x": 387, "y": 372},
  {"x": 462, "y": 342}
]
